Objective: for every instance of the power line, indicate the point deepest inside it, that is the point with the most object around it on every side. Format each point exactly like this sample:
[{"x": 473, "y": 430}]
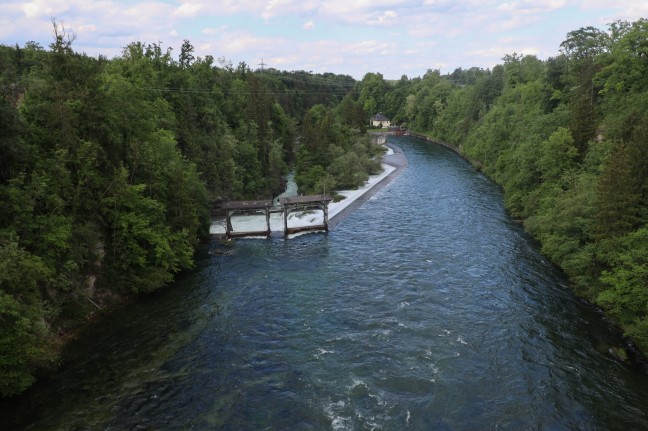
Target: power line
[{"x": 287, "y": 92}]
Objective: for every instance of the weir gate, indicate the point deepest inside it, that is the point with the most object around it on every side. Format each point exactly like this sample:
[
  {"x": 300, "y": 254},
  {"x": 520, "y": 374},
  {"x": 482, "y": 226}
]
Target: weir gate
[{"x": 287, "y": 206}]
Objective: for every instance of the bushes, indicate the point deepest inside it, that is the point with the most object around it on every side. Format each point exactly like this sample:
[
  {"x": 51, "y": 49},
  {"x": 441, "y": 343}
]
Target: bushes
[{"x": 332, "y": 155}]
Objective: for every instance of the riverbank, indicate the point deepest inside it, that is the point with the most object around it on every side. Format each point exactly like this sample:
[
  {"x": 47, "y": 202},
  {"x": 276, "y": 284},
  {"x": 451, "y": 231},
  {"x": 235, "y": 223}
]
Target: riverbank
[
  {"x": 394, "y": 162},
  {"x": 629, "y": 352},
  {"x": 436, "y": 141}
]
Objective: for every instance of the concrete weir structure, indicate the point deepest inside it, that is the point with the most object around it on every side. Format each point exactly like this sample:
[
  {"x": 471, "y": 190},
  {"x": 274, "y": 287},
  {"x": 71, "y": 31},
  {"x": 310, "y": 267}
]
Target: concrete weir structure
[
  {"x": 265, "y": 207},
  {"x": 263, "y": 218},
  {"x": 305, "y": 203},
  {"x": 246, "y": 207}
]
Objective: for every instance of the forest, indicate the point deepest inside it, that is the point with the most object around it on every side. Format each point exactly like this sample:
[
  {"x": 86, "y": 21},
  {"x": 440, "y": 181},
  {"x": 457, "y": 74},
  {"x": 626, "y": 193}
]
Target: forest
[
  {"x": 567, "y": 140},
  {"x": 109, "y": 167}
]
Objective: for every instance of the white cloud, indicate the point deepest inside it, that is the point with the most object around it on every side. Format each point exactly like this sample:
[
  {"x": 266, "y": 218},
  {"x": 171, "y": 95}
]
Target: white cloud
[
  {"x": 624, "y": 10},
  {"x": 515, "y": 21},
  {"x": 39, "y": 8},
  {"x": 87, "y": 28},
  {"x": 280, "y": 61},
  {"x": 242, "y": 42},
  {"x": 188, "y": 10},
  {"x": 272, "y": 6},
  {"x": 388, "y": 17},
  {"x": 335, "y": 60},
  {"x": 491, "y": 52},
  {"x": 309, "y": 25},
  {"x": 223, "y": 7},
  {"x": 372, "y": 47},
  {"x": 212, "y": 31},
  {"x": 529, "y": 50},
  {"x": 532, "y": 6}
]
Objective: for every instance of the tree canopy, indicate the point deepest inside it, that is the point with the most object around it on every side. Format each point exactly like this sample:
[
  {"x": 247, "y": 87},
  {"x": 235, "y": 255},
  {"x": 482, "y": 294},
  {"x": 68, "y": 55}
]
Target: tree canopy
[
  {"x": 567, "y": 140},
  {"x": 108, "y": 170}
]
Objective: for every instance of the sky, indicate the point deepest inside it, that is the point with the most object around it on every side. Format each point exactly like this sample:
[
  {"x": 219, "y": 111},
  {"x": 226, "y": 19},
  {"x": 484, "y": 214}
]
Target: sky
[{"x": 392, "y": 37}]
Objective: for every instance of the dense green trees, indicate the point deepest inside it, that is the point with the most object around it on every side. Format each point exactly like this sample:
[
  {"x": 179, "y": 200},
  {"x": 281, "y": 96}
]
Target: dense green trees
[
  {"x": 298, "y": 91},
  {"x": 567, "y": 140},
  {"x": 332, "y": 154},
  {"x": 108, "y": 169},
  {"x": 96, "y": 199}
]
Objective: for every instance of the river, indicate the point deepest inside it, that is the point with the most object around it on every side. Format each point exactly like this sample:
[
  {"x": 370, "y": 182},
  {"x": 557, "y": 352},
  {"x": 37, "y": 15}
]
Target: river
[{"x": 426, "y": 309}]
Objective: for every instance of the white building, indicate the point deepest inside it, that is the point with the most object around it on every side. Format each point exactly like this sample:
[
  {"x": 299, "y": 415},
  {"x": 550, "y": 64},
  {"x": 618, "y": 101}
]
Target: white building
[{"x": 379, "y": 120}]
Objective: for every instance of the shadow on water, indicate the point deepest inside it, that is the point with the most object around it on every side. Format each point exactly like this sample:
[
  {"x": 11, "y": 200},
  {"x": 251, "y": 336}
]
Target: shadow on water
[
  {"x": 427, "y": 308},
  {"x": 115, "y": 355}
]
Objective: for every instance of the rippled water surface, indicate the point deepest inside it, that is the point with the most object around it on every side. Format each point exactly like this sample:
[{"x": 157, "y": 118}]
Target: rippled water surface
[{"x": 428, "y": 308}]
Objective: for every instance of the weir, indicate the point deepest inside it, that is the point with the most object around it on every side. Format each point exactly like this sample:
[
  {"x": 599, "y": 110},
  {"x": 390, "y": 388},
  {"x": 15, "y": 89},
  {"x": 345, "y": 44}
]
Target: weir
[
  {"x": 248, "y": 208},
  {"x": 305, "y": 203},
  {"x": 287, "y": 206}
]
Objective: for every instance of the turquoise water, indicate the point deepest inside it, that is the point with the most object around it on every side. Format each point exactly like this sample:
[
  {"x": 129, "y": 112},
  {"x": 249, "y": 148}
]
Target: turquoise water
[{"x": 427, "y": 308}]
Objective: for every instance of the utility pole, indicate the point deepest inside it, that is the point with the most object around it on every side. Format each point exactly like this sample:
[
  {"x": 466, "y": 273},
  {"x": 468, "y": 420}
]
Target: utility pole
[{"x": 262, "y": 64}]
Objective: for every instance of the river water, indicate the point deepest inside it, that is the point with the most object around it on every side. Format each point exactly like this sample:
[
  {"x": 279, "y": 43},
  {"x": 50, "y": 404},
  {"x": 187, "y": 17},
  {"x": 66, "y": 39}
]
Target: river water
[{"x": 426, "y": 309}]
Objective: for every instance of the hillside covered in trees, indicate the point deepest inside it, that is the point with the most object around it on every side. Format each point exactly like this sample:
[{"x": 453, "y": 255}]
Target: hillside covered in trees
[
  {"x": 567, "y": 139},
  {"x": 108, "y": 167},
  {"x": 108, "y": 170}
]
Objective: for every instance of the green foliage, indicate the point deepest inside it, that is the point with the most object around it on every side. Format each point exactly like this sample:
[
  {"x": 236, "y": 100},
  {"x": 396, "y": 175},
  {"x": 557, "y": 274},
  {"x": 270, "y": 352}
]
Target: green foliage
[
  {"x": 626, "y": 282},
  {"x": 308, "y": 179},
  {"x": 108, "y": 169},
  {"x": 332, "y": 154},
  {"x": 585, "y": 42},
  {"x": 298, "y": 91},
  {"x": 24, "y": 333},
  {"x": 142, "y": 252},
  {"x": 352, "y": 114},
  {"x": 638, "y": 332},
  {"x": 558, "y": 155},
  {"x": 567, "y": 139},
  {"x": 563, "y": 222},
  {"x": 619, "y": 196},
  {"x": 372, "y": 90}
]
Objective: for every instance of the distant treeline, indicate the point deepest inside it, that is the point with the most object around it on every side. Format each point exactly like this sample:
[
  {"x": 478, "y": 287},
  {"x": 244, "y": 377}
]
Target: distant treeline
[
  {"x": 567, "y": 139},
  {"x": 108, "y": 169}
]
